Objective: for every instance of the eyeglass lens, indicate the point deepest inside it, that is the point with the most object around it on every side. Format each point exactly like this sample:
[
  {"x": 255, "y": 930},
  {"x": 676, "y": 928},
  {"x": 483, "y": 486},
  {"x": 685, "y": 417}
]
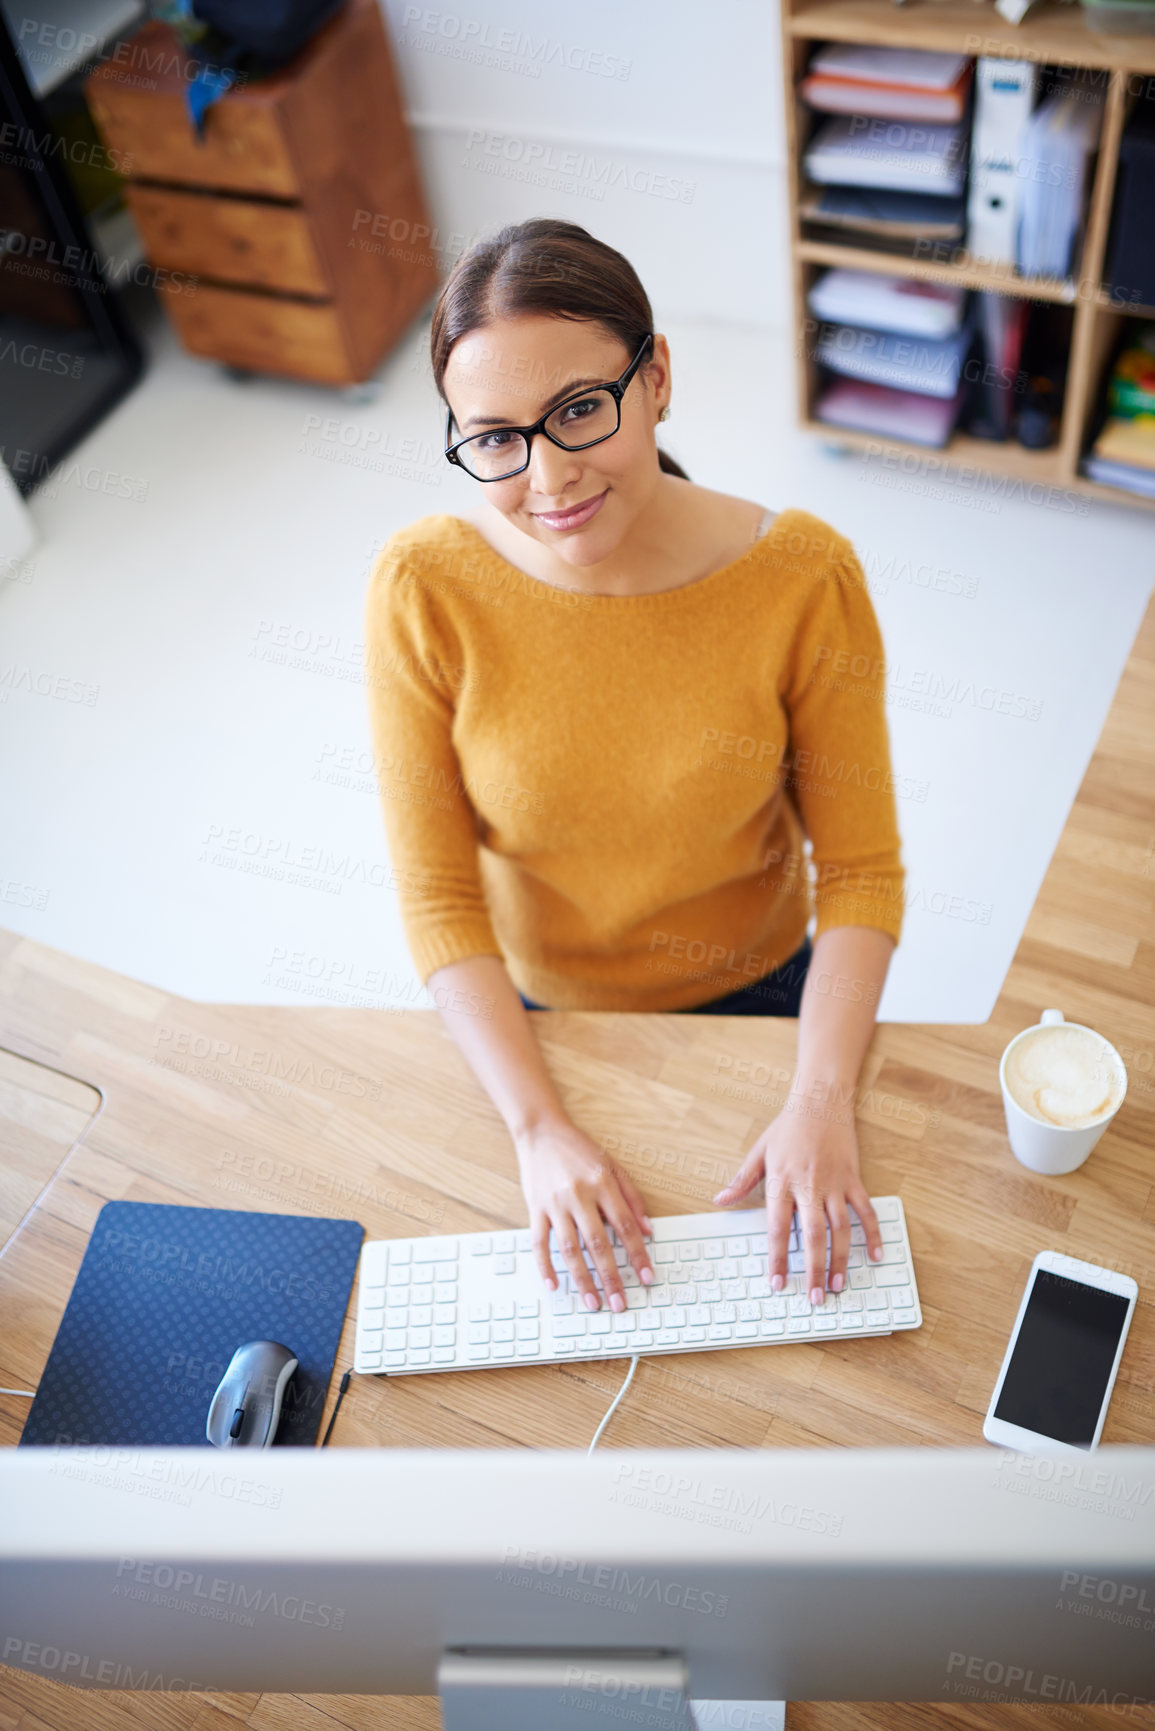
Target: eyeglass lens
[{"x": 501, "y": 452}]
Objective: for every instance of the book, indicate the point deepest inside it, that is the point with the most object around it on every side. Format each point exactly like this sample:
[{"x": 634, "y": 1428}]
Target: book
[
  {"x": 896, "y": 83},
  {"x": 929, "y": 366}
]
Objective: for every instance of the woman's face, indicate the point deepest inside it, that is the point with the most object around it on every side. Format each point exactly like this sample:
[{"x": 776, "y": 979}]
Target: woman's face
[{"x": 578, "y": 504}]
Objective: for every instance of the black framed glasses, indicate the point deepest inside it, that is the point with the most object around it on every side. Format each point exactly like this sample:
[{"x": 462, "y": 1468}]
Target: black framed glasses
[{"x": 579, "y": 421}]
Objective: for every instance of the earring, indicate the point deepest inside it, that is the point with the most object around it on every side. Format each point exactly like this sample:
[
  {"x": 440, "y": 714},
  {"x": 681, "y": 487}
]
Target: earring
[{"x": 665, "y": 414}]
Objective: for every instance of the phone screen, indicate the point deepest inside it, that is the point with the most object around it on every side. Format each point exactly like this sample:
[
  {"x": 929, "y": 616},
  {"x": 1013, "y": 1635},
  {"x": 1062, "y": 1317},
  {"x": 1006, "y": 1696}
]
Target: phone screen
[{"x": 1061, "y": 1364}]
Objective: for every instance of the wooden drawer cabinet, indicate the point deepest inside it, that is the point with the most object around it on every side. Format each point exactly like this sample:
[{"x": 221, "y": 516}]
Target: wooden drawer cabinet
[{"x": 261, "y": 218}]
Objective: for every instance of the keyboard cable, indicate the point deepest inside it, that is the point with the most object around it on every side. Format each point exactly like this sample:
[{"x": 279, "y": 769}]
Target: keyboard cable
[{"x": 616, "y": 1402}]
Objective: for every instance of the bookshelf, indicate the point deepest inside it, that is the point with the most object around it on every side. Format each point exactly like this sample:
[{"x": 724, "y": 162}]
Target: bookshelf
[{"x": 1054, "y": 34}]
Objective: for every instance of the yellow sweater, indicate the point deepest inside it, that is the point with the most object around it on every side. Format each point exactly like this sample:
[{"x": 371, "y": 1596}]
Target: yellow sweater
[{"x": 612, "y": 792}]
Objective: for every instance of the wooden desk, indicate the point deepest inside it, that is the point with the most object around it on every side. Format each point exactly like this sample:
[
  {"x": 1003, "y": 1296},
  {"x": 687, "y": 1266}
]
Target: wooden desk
[{"x": 375, "y": 1115}]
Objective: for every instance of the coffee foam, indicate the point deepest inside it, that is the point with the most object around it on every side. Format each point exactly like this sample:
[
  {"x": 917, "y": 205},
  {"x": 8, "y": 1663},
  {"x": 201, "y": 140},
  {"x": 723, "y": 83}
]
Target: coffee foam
[{"x": 1064, "y": 1076}]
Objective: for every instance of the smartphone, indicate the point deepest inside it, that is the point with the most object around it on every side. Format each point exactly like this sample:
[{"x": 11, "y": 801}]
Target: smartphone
[{"x": 1059, "y": 1368}]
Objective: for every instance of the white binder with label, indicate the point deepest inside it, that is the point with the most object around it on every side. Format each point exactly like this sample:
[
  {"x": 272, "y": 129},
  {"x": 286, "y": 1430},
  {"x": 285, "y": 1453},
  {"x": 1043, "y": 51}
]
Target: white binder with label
[{"x": 1004, "y": 99}]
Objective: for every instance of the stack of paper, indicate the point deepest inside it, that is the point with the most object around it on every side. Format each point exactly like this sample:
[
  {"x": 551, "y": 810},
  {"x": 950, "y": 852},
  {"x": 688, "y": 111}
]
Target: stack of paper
[
  {"x": 1056, "y": 142},
  {"x": 918, "y": 419},
  {"x": 898, "y": 83},
  {"x": 888, "y": 303},
  {"x": 852, "y": 150},
  {"x": 892, "y": 215}
]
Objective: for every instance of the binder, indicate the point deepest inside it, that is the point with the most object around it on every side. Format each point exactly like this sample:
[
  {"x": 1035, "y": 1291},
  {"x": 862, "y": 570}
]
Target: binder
[
  {"x": 164, "y": 1297},
  {"x": 1004, "y": 98}
]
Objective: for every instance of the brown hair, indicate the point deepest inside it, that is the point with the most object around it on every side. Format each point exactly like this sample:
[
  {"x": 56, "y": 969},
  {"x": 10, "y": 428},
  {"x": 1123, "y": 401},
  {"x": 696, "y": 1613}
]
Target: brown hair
[{"x": 542, "y": 266}]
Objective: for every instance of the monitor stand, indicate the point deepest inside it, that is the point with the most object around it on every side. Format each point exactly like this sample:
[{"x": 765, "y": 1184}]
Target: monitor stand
[{"x": 526, "y": 1689}]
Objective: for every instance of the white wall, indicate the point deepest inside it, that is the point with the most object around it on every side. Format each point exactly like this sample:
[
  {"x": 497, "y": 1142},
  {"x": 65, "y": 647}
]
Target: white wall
[{"x": 656, "y": 126}]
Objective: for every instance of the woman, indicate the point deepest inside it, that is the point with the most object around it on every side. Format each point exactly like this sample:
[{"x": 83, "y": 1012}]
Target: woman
[{"x": 607, "y": 710}]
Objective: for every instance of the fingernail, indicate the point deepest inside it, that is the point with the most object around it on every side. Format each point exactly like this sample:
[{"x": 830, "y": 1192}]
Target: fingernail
[
  {"x": 816, "y": 1295},
  {"x": 647, "y": 1223},
  {"x": 647, "y": 1277},
  {"x": 722, "y": 1193},
  {"x": 591, "y": 1301},
  {"x": 777, "y": 1282},
  {"x": 836, "y": 1283},
  {"x": 876, "y": 1253},
  {"x": 617, "y": 1302},
  {"x": 551, "y": 1282}
]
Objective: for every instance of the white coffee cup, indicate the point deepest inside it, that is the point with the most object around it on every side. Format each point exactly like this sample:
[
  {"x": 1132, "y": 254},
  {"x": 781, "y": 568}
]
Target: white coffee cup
[{"x": 1055, "y": 1149}]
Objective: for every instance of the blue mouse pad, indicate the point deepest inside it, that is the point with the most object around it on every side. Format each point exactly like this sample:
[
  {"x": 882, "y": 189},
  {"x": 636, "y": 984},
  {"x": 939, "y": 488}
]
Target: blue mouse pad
[{"x": 163, "y": 1299}]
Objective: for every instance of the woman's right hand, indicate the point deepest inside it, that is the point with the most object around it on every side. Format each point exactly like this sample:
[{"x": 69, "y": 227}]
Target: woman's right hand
[{"x": 573, "y": 1187}]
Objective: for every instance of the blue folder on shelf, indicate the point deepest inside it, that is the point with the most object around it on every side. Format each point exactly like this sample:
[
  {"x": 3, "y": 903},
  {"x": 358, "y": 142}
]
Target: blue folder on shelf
[{"x": 164, "y": 1297}]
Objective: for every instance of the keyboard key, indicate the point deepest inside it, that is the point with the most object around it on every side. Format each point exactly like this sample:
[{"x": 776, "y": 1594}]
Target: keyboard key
[
  {"x": 890, "y": 1231},
  {"x": 798, "y": 1325},
  {"x": 420, "y": 1337},
  {"x": 401, "y": 1251},
  {"x": 561, "y": 1304},
  {"x": 503, "y": 1349},
  {"x": 901, "y": 1297},
  {"x": 624, "y": 1322},
  {"x": 857, "y": 1233},
  {"x": 796, "y": 1261},
  {"x": 629, "y": 1277},
  {"x": 528, "y": 1329},
  {"x": 394, "y": 1360},
  {"x": 430, "y": 1250},
  {"x": 445, "y": 1292},
  {"x": 746, "y": 1331},
  {"x": 421, "y": 1315},
  {"x": 727, "y": 1269},
  {"x": 504, "y": 1311},
  {"x": 713, "y": 1249},
  {"x": 664, "y": 1253},
  {"x": 700, "y": 1315},
  {"x": 374, "y": 1300},
  {"x": 528, "y": 1307},
  {"x": 759, "y": 1288},
  {"x": 505, "y": 1265},
  {"x": 504, "y": 1242},
  {"x": 886, "y": 1208},
  {"x": 524, "y": 1240},
  {"x": 856, "y": 1257},
  {"x": 890, "y": 1277},
  {"x": 725, "y": 1313},
  {"x": 904, "y": 1316},
  {"x": 399, "y": 1277},
  {"x": 732, "y": 1289},
  {"x": 859, "y": 1279},
  {"x": 824, "y": 1324},
  {"x": 685, "y": 1294},
  {"x": 648, "y": 1321},
  {"x": 693, "y": 1335},
  {"x": 720, "y": 1331},
  {"x": 849, "y": 1302},
  {"x": 480, "y": 1246},
  {"x": 444, "y": 1354},
  {"x": 850, "y": 1320},
  {"x": 395, "y": 1339},
  {"x": 620, "y": 1256},
  {"x": 528, "y": 1348},
  {"x": 444, "y": 1336},
  {"x": 565, "y": 1326},
  {"x": 876, "y": 1301},
  {"x": 562, "y": 1347},
  {"x": 478, "y": 1334},
  {"x": 445, "y": 1270},
  {"x": 422, "y": 1274},
  {"x": 749, "y": 1310},
  {"x": 752, "y": 1266},
  {"x": 738, "y": 1246},
  {"x": 373, "y": 1339},
  {"x": 599, "y": 1324},
  {"x": 661, "y": 1298},
  {"x": 502, "y": 1331},
  {"x": 689, "y": 1252},
  {"x": 800, "y": 1304},
  {"x": 397, "y": 1298},
  {"x": 774, "y": 1308},
  {"x": 771, "y": 1327},
  {"x": 637, "y": 1298},
  {"x": 444, "y": 1313},
  {"x": 667, "y": 1337},
  {"x": 479, "y": 1313},
  {"x": 892, "y": 1253},
  {"x": 417, "y": 1359},
  {"x": 710, "y": 1292}
]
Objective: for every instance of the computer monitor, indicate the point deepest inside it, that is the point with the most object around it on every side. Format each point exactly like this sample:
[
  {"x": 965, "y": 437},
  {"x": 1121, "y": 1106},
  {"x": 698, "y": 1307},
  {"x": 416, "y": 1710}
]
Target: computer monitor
[{"x": 546, "y": 1588}]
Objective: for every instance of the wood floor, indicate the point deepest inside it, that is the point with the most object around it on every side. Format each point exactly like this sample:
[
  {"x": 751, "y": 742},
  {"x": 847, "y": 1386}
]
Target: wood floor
[{"x": 373, "y": 1114}]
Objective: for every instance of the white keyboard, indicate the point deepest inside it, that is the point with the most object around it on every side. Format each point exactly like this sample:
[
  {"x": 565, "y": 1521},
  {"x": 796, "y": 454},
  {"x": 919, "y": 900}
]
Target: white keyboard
[{"x": 476, "y": 1299}]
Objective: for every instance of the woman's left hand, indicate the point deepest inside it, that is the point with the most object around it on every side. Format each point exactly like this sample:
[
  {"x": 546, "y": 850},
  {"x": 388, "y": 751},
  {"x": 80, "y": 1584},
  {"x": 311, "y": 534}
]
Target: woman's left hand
[{"x": 808, "y": 1156}]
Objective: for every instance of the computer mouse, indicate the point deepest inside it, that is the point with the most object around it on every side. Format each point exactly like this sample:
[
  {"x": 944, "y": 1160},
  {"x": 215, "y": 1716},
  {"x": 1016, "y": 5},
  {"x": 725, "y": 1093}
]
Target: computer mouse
[{"x": 246, "y": 1407}]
